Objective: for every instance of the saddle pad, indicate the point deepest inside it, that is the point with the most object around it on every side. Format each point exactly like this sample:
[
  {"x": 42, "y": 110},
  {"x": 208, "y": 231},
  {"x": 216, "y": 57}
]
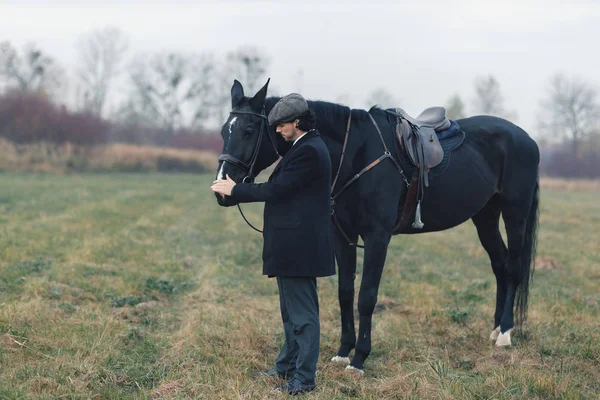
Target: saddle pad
[
  {"x": 450, "y": 139},
  {"x": 451, "y": 131},
  {"x": 449, "y": 143}
]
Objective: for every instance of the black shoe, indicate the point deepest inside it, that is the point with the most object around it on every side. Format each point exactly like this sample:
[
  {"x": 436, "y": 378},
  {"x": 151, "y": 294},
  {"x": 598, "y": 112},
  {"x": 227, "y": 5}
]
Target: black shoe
[
  {"x": 273, "y": 373},
  {"x": 295, "y": 387}
]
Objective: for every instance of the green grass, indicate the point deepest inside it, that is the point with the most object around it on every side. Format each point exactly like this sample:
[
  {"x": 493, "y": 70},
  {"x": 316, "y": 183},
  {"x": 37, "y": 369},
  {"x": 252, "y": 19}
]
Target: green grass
[{"x": 141, "y": 287}]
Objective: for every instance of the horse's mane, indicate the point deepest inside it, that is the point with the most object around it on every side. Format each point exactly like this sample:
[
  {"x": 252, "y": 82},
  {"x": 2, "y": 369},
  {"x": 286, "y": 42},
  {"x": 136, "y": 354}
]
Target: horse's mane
[{"x": 331, "y": 117}]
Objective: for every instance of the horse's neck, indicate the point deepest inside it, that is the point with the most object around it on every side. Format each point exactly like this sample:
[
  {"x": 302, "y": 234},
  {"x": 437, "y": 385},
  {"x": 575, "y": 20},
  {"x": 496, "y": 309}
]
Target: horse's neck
[{"x": 332, "y": 120}]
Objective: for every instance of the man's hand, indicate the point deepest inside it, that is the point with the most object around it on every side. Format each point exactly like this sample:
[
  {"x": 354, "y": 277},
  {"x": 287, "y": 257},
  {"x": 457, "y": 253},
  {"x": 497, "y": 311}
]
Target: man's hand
[{"x": 223, "y": 187}]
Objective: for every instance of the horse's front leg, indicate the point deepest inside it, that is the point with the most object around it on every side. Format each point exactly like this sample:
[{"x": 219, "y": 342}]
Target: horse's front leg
[
  {"x": 346, "y": 259},
  {"x": 376, "y": 245}
]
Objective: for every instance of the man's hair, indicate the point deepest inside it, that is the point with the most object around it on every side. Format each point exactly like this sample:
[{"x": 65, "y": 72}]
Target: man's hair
[{"x": 307, "y": 121}]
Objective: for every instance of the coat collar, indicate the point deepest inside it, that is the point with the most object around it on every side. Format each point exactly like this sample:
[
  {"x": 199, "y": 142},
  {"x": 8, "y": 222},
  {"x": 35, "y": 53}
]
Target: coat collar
[{"x": 301, "y": 142}]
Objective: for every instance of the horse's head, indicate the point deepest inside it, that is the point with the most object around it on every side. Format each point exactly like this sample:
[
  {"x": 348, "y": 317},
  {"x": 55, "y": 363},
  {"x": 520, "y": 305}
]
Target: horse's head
[{"x": 248, "y": 146}]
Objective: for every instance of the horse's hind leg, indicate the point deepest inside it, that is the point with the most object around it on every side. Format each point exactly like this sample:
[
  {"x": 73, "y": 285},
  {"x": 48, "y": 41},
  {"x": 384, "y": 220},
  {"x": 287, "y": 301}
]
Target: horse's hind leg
[
  {"x": 487, "y": 223},
  {"x": 520, "y": 219},
  {"x": 346, "y": 258}
]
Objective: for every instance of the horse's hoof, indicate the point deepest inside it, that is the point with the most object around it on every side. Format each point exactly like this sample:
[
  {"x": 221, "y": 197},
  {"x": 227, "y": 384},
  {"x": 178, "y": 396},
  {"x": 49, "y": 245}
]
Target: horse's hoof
[
  {"x": 354, "y": 370},
  {"x": 504, "y": 339},
  {"x": 340, "y": 360},
  {"x": 494, "y": 334}
]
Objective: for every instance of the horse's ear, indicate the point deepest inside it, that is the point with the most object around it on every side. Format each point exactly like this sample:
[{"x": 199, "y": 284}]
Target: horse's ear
[
  {"x": 237, "y": 93},
  {"x": 259, "y": 98}
]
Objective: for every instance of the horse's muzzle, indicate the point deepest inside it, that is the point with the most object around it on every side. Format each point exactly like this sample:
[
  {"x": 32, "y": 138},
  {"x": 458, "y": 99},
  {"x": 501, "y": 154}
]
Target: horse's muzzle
[{"x": 224, "y": 201}]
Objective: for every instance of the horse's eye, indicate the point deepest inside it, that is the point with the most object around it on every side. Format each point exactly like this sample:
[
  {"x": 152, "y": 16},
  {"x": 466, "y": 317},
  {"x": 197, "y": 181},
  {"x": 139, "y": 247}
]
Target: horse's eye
[{"x": 249, "y": 131}]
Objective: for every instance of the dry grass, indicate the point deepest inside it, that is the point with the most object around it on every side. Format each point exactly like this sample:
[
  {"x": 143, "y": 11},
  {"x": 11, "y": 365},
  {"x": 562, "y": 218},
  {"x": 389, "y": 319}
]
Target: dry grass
[
  {"x": 48, "y": 157},
  {"x": 570, "y": 184},
  {"x": 149, "y": 157},
  {"x": 137, "y": 286}
]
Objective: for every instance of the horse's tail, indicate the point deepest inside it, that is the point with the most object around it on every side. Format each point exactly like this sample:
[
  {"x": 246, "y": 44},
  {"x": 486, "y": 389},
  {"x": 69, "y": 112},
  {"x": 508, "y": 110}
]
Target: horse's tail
[{"x": 527, "y": 258}]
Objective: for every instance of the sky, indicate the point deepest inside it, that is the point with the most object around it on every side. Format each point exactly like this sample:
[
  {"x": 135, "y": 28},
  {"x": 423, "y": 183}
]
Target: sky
[{"x": 421, "y": 52}]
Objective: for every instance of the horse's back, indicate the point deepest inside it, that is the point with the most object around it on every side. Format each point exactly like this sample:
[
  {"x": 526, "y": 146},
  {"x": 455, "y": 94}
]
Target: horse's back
[
  {"x": 516, "y": 153},
  {"x": 495, "y": 156},
  {"x": 500, "y": 137}
]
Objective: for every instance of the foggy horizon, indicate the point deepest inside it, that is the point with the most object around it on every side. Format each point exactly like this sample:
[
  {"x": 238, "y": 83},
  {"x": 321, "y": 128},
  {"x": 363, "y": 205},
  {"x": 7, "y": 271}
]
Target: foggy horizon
[{"x": 421, "y": 53}]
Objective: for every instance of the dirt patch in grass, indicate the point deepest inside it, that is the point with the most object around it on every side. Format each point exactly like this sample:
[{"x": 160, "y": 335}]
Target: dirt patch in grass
[
  {"x": 168, "y": 390},
  {"x": 547, "y": 264}
]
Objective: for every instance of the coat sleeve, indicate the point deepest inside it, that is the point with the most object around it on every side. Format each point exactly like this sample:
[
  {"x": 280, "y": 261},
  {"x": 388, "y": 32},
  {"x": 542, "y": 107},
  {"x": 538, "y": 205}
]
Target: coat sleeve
[{"x": 297, "y": 173}]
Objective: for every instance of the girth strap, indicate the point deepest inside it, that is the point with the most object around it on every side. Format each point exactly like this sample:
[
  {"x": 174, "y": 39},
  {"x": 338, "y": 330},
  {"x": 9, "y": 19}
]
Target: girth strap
[{"x": 409, "y": 204}]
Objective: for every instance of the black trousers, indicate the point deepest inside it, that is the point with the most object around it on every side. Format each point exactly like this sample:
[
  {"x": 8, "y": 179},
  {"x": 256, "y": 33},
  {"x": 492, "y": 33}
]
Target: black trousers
[{"x": 299, "y": 305}]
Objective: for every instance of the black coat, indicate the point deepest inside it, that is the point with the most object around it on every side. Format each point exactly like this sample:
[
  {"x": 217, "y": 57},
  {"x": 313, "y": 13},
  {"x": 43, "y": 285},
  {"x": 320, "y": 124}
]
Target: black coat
[{"x": 298, "y": 234}]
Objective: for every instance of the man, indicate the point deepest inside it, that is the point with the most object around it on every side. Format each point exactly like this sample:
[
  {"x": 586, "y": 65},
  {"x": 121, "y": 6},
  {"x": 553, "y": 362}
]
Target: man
[{"x": 298, "y": 238}]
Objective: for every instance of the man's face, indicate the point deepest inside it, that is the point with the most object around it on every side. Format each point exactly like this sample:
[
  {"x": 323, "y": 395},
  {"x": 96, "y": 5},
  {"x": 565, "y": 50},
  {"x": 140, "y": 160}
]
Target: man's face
[{"x": 288, "y": 130}]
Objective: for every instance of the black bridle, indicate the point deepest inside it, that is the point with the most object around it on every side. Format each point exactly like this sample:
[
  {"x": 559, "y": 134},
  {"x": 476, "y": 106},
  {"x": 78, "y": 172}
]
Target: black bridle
[{"x": 248, "y": 168}]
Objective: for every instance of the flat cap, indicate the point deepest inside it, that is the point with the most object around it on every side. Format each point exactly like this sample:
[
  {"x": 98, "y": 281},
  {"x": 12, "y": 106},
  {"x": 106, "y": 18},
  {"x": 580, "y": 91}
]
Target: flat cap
[{"x": 288, "y": 109}]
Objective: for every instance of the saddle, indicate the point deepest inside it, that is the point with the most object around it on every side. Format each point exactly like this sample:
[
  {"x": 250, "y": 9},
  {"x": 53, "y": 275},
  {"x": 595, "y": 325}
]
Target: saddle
[{"x": 418, "y": 138}]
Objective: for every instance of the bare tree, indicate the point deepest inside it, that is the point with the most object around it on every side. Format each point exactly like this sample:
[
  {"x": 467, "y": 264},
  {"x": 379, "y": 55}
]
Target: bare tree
[
  {"x": 382, "y": 98},
  {"x": 202, "y": 76},
  {"x": 248, "y": 65},
  {"x": 343, "y": 98},
  {"x": 222, "y": 93},
  {"x": 455, "y": 108},
  {"x": 172, "y": 90},
  {"x": 488, "y": 98},
  {"x": 32, "y": 70},
  {"x": 571, "y": 109},
  {"x": 101, "y": 54}
]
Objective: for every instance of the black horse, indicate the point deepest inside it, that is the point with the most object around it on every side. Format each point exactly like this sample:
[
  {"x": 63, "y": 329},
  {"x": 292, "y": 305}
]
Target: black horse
[{"x": 493, "y": 172}]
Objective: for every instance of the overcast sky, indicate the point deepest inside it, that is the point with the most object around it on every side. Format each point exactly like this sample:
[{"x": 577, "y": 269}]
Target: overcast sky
[{"x": 422, "y": 52}]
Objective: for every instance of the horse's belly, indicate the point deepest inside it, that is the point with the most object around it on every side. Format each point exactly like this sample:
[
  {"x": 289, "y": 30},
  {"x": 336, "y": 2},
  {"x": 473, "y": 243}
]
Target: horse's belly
[{"x": 457, "y": 195}]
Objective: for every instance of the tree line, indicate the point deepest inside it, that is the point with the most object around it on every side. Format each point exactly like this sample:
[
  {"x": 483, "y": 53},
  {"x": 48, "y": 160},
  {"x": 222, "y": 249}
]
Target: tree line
[
  {"x": 172, "y": 98},
  {"x": 162, "y": 98}
]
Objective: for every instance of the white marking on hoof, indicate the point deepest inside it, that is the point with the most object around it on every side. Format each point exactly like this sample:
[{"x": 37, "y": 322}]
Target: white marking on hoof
[
  {"x": 354, "y": 370},
  {"x": 504, "y": 339},
  {"x": 340, "y": 360},
  {"x": 494, "y": 334}
]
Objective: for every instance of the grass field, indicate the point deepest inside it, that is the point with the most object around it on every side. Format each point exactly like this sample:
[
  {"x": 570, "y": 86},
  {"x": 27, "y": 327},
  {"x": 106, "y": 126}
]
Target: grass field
[{"x": 141, "y": 287}]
